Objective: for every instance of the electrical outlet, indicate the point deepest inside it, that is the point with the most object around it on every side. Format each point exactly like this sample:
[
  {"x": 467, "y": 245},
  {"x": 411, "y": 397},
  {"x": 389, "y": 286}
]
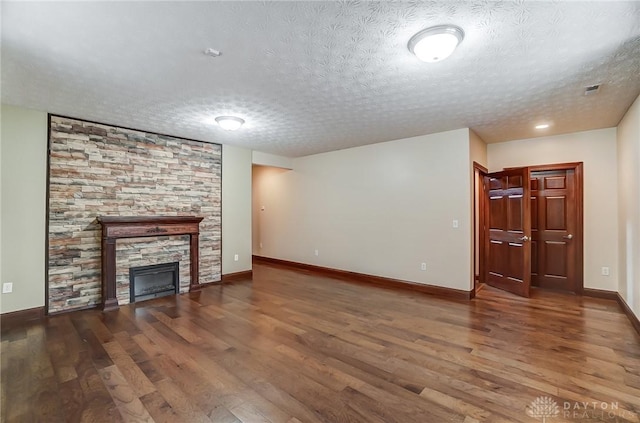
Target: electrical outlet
[
  {"x": 236, "y": 257},
  {"x": 423, "y": 266},
  {"x": 605, "y": 271},
  {"x": 7, "y": 288},
  {"x": 455, "y": 223},
  {"x": 261, "y": 245},
  {"x": 316, "y": 253}
]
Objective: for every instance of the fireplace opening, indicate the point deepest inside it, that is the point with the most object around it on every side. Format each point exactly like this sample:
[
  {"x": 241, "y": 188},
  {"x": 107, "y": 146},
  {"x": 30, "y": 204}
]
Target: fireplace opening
[{"x": 158, "y": 280}]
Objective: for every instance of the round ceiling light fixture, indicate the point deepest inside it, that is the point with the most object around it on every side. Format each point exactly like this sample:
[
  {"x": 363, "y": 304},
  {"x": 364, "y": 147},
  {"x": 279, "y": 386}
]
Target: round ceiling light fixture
[
  {"x": 230, "y": 123},
  {"x": 542, "y": 126},
  {"x": 436, "y": 43}
]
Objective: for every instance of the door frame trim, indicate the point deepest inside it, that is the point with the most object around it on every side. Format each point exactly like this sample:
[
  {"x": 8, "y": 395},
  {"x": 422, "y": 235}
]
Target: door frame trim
[
  {"x": 481, "y": 212},
  {"x": 578, "y": 169}
]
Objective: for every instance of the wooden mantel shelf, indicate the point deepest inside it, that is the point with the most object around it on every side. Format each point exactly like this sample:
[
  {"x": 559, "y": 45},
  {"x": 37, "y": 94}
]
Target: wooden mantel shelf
[{"x": 117, "y": 227}]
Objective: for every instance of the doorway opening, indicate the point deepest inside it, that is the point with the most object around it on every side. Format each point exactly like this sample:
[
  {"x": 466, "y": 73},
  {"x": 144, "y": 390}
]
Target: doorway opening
[{"x": 267, "y": 184}]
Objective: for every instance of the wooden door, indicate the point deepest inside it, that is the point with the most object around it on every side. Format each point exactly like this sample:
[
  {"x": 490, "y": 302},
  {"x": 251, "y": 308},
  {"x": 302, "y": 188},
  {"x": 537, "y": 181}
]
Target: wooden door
[
  {"x": 554, "y": 229},
  {"x": 508, "y": 248}
]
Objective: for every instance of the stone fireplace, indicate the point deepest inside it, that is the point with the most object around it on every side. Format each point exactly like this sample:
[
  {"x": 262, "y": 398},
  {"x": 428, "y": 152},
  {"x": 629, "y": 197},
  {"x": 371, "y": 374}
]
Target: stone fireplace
[
  {"x": 104, "y": 170},
  {"x": 125, "y": 227}
]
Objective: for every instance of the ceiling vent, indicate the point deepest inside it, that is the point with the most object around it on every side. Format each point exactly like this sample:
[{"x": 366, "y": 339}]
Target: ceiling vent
[{"x": 592, "y": 89}]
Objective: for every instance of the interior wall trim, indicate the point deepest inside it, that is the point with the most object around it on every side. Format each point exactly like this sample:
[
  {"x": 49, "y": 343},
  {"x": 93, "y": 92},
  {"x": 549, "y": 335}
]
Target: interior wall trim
[
  {"x": 600, "y": 293},
  {"x": 237, "y": 276},
  {"x": 14, "y": 318},
  {"x": 450, "y": 293},
  {"x": 615, "y": 296},
  {"x": 635, "y": 322}
]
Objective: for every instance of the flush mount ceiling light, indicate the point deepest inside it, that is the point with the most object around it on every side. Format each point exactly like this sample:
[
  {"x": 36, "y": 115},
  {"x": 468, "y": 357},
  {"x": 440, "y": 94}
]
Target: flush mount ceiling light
[
  {"x": 436, "y": 43},
  {"x": 542, "y": 126},
  {"x": 230, "y": 123}
]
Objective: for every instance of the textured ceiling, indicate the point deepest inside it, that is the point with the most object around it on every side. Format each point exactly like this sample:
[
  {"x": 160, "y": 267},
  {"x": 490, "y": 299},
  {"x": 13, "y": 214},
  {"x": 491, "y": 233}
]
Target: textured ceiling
[{"x": 311, "y": 77}]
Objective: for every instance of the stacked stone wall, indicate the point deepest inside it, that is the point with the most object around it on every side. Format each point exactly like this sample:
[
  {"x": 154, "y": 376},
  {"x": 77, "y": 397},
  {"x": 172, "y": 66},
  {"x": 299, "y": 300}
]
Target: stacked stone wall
[{"x": 102, "y": 170}]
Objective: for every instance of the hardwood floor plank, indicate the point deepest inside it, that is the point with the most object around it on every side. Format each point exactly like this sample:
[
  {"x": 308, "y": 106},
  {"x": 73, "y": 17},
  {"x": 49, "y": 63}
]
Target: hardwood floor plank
[
  {"x": 248, "y": 414},
  {"x": 42, "y": 389},
  {"x": 63, "y": 346},
  {"x": 180, "y": 330},
  {"x": 285, "y": 401},
  {"x": 159, "y": 409},
  {"x": 72, "y": 400},
  {"x": 16, "y": 371},
  {"x": 150, "y": 348},
  {"x": 129, "y": 369},
  {"x": 464, "y": 408},
  {"x": 125, "y": 398},
  {"x": 119, "y": 323},
  {"x": 319, "y": 370},
  {"x": 99, "y": 356},
  {"x": 203, "y": 391},
  {"x": 180, "y": 403},
  {"x": 95, "y": 402},
  {"x": 374, "y": 411},
  {"x": 134, "y": 351}
]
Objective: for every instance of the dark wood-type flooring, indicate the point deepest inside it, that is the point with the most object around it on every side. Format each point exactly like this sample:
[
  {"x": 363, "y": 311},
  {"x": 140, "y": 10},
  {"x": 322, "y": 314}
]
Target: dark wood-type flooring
[{"x": 293, "y": 346}]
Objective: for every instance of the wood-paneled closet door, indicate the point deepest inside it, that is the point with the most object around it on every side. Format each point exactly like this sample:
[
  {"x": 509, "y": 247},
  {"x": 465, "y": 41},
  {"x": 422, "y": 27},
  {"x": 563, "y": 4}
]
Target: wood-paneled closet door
[
  {"x": 548, "y": 212},
  {"x": 508, "y": 252},
  {"x": 554, "y": 228}
]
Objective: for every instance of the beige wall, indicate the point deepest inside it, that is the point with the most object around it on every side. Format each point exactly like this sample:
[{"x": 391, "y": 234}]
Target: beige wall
[
  {"x": 597, "y": 149},
  {"x": 23, "y": 191},
  {"x": 629, "y": 207},
  {"x": 236, "y": 209},
  {"x": 264, "y": 159},
  {"x": 477, "y": 149},
  {"x": 381, "y": 209}
]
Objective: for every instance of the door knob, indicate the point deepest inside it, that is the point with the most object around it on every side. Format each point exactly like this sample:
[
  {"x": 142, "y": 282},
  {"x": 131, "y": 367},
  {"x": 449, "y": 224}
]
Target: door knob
[
  {"x": 524, "y": 238},
  {"x": 570, "y": 236}
]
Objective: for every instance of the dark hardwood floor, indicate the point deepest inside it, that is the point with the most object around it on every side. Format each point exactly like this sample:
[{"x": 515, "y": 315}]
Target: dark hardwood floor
[{"x": 292, "y": 346}]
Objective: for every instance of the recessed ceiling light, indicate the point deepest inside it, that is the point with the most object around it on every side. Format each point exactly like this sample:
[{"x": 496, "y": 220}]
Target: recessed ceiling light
[
  {"x": 212, "y": 52},
  {"x": 436, "y": 43},
  {"x": 542, "y": 126},
  {"x": 230, "y": 123}
]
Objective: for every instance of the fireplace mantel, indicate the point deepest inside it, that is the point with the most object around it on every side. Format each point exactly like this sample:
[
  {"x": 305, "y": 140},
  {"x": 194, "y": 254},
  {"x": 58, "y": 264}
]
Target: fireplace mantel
[{"x": 117, "y": 227}]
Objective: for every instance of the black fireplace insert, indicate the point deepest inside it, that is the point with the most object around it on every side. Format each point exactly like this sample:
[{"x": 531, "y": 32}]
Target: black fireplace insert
[{"x": 158, "y": 280}]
